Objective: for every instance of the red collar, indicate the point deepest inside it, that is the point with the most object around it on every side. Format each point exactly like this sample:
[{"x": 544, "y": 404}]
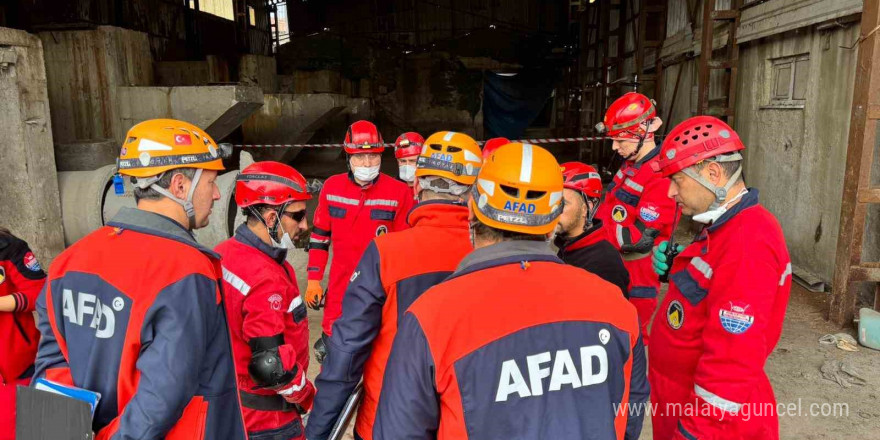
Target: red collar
[
  {"x": 590, "y": 237},
  {"x": 442, "y": 213}
]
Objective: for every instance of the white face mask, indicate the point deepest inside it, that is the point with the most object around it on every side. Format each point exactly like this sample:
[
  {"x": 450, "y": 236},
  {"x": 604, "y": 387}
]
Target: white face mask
[
  {"x": 366, "y": 174},
  {"x": 285, "y": 243},
  {"x": 711, "y": 215},
  {"x": 408, "y": 173}
]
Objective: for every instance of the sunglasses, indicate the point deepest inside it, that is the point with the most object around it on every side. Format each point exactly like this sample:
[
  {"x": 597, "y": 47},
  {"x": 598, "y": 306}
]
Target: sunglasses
[{"x": 297, "y": 216}]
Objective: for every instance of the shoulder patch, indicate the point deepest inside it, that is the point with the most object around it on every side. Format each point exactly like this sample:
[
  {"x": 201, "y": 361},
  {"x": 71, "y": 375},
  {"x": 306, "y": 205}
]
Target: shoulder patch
[
  {"x": 2, "y": 274},
  {"x": 30, "y": 261},
  {"x": 735, "y": 318},
  {"x": 649, "y": 213}
]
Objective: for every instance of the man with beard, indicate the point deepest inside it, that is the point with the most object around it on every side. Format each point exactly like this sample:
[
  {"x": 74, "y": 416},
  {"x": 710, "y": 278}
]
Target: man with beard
[{"x": 580, "y": 238}]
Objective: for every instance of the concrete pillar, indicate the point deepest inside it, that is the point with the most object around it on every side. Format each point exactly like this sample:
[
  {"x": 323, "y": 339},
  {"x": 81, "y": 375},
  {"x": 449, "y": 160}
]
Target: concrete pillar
[{"x": 29, "y": 201}]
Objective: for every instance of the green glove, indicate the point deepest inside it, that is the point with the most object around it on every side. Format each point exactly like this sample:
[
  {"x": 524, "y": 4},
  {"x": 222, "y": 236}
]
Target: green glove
[{"x": 659, "y": 259}]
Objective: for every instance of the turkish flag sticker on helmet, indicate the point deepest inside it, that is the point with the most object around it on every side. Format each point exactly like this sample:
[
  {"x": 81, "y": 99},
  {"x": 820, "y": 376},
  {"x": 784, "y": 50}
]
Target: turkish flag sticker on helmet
[{"x": 182, "y": 139}]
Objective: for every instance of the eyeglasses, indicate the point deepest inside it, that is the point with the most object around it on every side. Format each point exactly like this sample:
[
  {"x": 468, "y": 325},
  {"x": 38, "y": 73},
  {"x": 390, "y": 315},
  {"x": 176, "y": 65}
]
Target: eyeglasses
[{"x": 297, "y": 216}]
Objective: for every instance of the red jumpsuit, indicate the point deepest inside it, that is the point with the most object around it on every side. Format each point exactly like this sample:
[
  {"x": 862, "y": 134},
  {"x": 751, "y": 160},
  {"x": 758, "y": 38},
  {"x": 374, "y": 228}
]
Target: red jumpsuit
[
  {"x": 636, "y": 200},
  {"x": 263, "y": 301},
  {"x": 719, "y": 322},
  {"x": 349, "y": 216},
  {"x": 22, "y": 277}
]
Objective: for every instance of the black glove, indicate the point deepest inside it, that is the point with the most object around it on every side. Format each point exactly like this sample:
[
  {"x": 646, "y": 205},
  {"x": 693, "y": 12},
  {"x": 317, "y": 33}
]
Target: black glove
[{"x": 644, "y": 245}]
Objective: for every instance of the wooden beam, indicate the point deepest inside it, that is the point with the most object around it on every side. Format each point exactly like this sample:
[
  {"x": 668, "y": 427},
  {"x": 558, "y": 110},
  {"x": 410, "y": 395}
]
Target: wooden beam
[
  {"x": 859, "y": 158},
  {"x": 869, "y": 195},
  {"x": 725, "y": 14}
]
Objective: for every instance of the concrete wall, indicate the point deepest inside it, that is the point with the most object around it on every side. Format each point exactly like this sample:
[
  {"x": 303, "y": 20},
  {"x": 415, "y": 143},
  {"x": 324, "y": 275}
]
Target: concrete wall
[
  {"x": 260, "y": 71},
  {"x": 29, "y": 187},
  {"x": 797, "y": 156},
  {"x": 83, "y": 69},
  {"x": 200, "y": 105}
]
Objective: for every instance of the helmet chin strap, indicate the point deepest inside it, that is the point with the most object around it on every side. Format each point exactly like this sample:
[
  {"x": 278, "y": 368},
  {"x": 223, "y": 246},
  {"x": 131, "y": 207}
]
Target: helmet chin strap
[
  {"x": 719, "y": 192},
  {"x": 189, "y": 209},
  {"x": 273, "y": 231},
  {"x": 591, "y": 213},
  {"x": 642, "y": 138}
]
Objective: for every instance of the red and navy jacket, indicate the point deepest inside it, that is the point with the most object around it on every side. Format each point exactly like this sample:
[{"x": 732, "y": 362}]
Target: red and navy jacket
[
  {"x": 718, "y": 323},
  {"x": 349, "y": 216},
  {"x": 502, "y": 349},
  {"x": 592, "y": 252},
  {"x": 22, "y": 277},
  {"x": 635, "y": 200},
  {"x": 134, "y": 311},
  {"x": 394, "y": 271},
  {"x": 264, "y": 309}
]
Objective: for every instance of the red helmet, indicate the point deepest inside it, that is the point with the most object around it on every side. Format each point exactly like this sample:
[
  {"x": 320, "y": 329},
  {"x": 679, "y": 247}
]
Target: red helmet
[
  {"x": 408, "y": 144},
  {"x": 493, "y": 144},
  {"x": 363, "y": 137},
  {"x": 694, "y": 140},
  {"x": 582, "y": 177},
  {"x": 625, "y": 115},
  {"x": 269, "y": 183}
]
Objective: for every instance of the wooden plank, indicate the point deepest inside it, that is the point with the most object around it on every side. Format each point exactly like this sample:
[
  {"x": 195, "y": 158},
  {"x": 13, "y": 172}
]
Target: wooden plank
[
  {"x": 719, "y": 112},
  {"x": 721, "y": 64},
  {"x": 860, "y": 274},
  {"x": 859, "y": 155},
  {"x": 725, "y": 15},
  {"x": 869, "y": 195},
  {"x": 705, "y": 55}
]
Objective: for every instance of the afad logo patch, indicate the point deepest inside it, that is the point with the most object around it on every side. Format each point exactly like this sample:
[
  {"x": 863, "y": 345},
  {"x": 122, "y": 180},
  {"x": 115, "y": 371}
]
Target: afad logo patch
[
  {"x": 735, "y": 318},
  {"x": 30, "y": 261},
  {"x": 618, "y": 213},
  {"x": 381, "y": 230},
  {"x": 649, "y": 213},
  {"x": 2, "y": 274}
]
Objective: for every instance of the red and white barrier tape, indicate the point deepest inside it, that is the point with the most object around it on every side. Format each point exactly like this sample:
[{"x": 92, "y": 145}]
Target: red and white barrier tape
[{"x": 524, "y": 141}]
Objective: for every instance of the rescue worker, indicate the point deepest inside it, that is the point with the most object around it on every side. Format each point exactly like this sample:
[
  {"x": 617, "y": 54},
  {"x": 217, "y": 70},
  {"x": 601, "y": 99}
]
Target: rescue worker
[
  {"x": 579, "y": 236},
  {"x": 353, "y": 209},
  {"x": 21, "y": 278},
  {"x": 134, "y": 310},
  {"x": 493, "y": 144},
  {"x": 501, "y": 348},
  {"x": 406, "y": 149},
  {"x": 637, "y": 210},
  {"x": 267, "y": 316},
  {"x": 395, "y": 270},
  {"x": 728, "y": 291}
]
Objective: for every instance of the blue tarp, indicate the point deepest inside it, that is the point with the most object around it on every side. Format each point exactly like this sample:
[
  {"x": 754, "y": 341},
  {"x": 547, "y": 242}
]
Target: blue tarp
[{"x": 511, "y": 103}]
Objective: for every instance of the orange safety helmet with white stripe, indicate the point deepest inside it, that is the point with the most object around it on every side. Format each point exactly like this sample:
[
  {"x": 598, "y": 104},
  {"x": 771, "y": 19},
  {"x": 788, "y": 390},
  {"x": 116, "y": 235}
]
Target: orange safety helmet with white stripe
[
  {"x": 519, "y": 189},
  {"x": 156, "y": 146}
]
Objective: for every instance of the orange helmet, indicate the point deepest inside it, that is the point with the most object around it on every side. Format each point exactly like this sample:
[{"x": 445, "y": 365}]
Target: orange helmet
[
  {"x": 158, "y": 145},
  {"x": 455, "y": 156},
  {"x": 519, "y": 189}
]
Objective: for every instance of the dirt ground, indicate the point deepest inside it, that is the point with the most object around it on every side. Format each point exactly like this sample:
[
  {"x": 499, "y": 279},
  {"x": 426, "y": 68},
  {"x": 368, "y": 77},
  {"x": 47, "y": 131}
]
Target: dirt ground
[{"x": 794, "y": 370}]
